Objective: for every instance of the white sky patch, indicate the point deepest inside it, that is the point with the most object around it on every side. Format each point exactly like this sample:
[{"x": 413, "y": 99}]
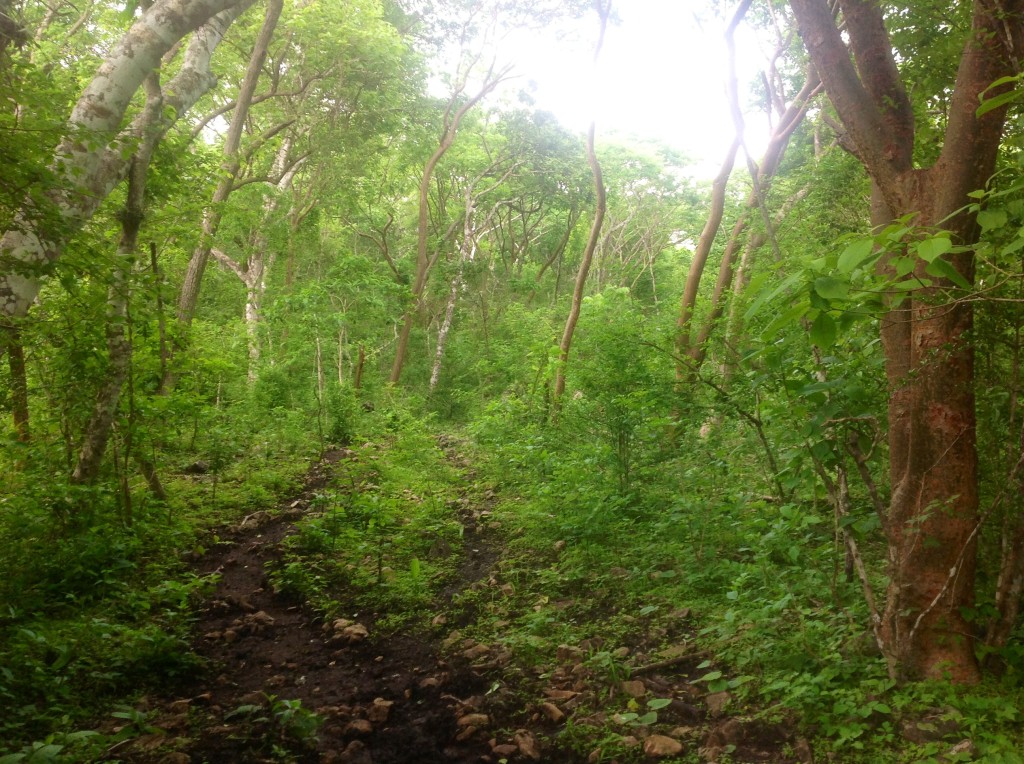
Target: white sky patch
[{"x": 660, "y": 76}]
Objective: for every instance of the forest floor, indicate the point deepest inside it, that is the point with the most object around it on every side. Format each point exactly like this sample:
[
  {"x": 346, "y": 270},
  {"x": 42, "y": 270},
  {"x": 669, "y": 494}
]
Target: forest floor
[{"x": 284, "y": 684}]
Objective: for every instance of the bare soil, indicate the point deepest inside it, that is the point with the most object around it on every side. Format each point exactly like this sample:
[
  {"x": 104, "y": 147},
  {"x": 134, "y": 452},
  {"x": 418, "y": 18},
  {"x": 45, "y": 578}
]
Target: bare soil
[{"x": 272, "y": 662}]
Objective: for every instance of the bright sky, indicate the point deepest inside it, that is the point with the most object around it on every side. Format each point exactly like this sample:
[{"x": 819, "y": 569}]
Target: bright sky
[{"x": 660, "y": 76}]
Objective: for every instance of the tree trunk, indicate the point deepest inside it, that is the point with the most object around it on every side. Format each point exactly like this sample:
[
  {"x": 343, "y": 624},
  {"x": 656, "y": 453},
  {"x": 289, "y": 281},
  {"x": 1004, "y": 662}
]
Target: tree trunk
[
  {"x": 87, "y": 171},
  {"x": 229, "y": 166},
  {"x": 581, "y": 276},
  {"x": 19, "y": 381},
  {"x": 604, "y": 9},
  {"x": 933, "y": 520},
  {"x": 119, "y": 350},
  {"x": 452, "y": 119}
]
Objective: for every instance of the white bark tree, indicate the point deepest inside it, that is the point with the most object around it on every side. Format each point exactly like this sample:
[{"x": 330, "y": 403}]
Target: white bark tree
[{"x": 92, "y": 159}]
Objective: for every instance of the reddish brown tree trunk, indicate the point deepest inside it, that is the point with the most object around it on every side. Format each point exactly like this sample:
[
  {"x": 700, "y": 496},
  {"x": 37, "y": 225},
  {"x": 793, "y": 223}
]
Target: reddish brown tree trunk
[{"x": 933, "y": 519}]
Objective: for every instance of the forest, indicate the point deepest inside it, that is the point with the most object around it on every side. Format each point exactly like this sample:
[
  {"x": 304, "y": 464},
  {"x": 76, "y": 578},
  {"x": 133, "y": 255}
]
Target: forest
[{"x": 357, "y": 409}]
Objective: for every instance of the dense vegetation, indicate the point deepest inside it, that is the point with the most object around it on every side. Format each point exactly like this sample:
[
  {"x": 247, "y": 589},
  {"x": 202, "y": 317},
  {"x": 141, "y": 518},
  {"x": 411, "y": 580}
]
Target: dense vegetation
[{"x": 391, "y": 264}]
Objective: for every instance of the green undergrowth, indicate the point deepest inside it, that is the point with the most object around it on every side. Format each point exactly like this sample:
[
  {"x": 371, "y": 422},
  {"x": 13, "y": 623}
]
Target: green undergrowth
[
  {"x": 382, "y": 537},
  {"x": 95, "y": 586},
  {"x": 702, "y": 559}
]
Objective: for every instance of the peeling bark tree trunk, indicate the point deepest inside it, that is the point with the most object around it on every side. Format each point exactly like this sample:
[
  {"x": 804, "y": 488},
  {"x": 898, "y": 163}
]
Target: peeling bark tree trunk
[
  {"x": 119, "y": 350},
  {"x": 452, "y": 119},
  {"x": 229, "y": 166},
  {"x": 252, "y": 271},
  {"x": 691, "y": 351},
  {"x": 152, "y": 126},
  {"x": 565, "y": 345},
  {"x": 933, "y": 519},
  {"x": 91, "y": 160}
]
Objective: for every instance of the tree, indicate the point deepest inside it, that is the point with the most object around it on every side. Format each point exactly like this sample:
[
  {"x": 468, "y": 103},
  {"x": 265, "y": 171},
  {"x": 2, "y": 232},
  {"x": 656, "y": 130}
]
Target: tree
[
  {"x": 230, "y": 166},
  {"x": 454, "y": 113},
  {"x": 933, "y": 520},
  {"x": 92, "y": 159},
  {"x": 604, "y": 9}
]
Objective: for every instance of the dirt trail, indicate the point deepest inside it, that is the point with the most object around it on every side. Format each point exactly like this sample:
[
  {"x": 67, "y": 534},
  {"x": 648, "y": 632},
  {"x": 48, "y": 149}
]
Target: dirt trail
[
  {"x": 273, "y": 664},
  {"x": 381, "y": 702}
]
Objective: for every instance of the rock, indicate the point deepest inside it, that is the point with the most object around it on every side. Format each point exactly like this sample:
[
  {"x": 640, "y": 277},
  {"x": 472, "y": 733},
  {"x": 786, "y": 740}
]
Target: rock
[
  {"x": 634, "y": 688},
  {"x": 428, "y": 682},
  {"x": 929, "y": 729},
  {"x": 359, "y": 728},
  {"x": 527, "y": 744},
  {"x": 355, "y": 752},
  {"x": 566, "y": 653},
  {"x": 725, "y": 737},
  {"x": 660, "y": 746},
  {"x": 803, "y": 751},
  {"x": 728, "y": 733},
  {"x": 340, "y": 624},
  {"x": 199, "y": 467},
  {"x": 175, "y": 757},
  {"x": 439, "y": 620},
  {"x": 229, "y": 635},
  {"x": 380, "y": 710},
  {"x": 506, "y": 750},
  {"x": 475, "y": 652},
  {"x": 353, "y": 634},
  {"x": 552, "y": 712},
  {"x": 560, "y": 694},
  {"x": 473, "y": 720},
  {"x": 620, "y": 652},
  {"x": 595, "y": 756},
  {"x": 558, "y": 546},
  {"x": 451, "y": 640},
  {"x": 629, "y": 741},
  {"x": 960, "y": 750},
  {"x": 255, "y": 519},
  {"x": 717, "y": 702}
]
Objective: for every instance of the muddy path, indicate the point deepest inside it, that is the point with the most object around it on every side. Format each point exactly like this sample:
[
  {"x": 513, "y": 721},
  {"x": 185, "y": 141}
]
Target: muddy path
[
  {"x": 281, "y": 684},
  {"x": 273, "y": 664}
]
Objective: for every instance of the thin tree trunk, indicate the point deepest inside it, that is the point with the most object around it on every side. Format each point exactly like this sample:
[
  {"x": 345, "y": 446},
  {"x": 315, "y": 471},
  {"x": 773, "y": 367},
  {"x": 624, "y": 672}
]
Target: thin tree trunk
[
  {"x": 19, "y": 381},
  {"x": 600, "y": 206},
  {"x": 119, "y": 350},
  {"x": 87, "y": 173},
  {"x": 189, "y": 296},
  {"x": 452, "y": 120}
]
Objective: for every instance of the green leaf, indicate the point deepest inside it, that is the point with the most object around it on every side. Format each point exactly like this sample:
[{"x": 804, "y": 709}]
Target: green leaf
[
  {"x": 765, "y": 297},
  {"x": 989, "y": 219},
  {"x": 929, "y": 249},
  {"x": 788, "y": 317},
  {"x": 711, "y": 676},
  {"x": 944, "y": 269},
  {"x": 649, "y": 718},
  {"x": 824, "y": 331},
  {"x": 855, "y": 254},
  {"x": 414, "y": 567},
  {"x": 1014, "y": 246},
  {"x": 831, "y": 288},
  {"x": 996, "y": 101},
  {"x": 655, "y": 703},
  {"x": 903, "y": 265}
]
